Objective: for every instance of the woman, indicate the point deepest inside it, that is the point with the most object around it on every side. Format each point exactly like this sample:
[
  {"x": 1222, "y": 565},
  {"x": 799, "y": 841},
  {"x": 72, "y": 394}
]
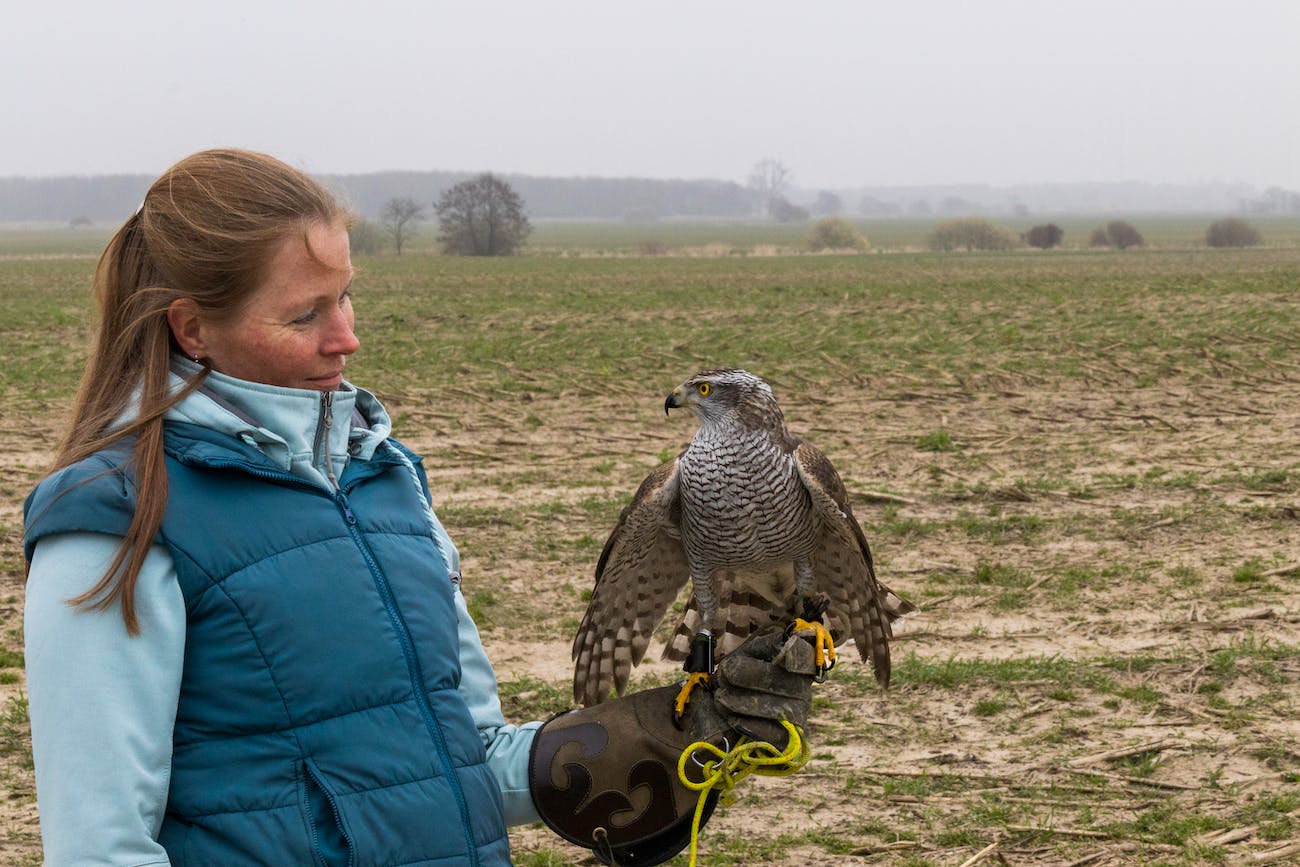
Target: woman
[{"x": 245, "y": 638}]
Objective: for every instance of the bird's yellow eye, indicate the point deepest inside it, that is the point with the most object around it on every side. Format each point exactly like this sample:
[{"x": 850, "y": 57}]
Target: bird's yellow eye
[{"x": 704, "y": 388}]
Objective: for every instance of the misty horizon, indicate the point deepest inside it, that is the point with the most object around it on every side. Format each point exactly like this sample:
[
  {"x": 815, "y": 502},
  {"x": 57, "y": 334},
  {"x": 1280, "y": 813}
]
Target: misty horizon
[{"x": 847, "y": 94}]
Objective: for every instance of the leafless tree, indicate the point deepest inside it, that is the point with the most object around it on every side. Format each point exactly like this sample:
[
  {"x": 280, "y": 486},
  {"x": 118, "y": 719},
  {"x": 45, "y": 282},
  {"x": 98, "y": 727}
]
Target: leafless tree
[
  {"x": 769, "y": 180},
  {"x": 400, "y": 217},
  {"x": 483, "y": 216}
]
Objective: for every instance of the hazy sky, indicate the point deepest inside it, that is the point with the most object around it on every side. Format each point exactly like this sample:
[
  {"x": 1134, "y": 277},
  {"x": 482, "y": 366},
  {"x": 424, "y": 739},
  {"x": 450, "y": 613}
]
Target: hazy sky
[{"x": 844, "y": 93}]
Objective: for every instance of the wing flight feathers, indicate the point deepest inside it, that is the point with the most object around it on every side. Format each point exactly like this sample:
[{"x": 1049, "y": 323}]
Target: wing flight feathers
[
  {"x": 844, "y": 567},
  {"x": 641, "y": 569}
]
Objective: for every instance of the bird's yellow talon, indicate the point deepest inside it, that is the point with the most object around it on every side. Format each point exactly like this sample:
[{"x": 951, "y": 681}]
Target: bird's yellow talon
[
  {"x": 684, "y": 696},
  {"x": 823, "y": 644}
]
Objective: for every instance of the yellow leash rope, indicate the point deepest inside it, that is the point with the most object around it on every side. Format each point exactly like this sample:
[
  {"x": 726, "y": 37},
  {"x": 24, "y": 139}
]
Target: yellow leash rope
[{"x": 730, "y": 767}]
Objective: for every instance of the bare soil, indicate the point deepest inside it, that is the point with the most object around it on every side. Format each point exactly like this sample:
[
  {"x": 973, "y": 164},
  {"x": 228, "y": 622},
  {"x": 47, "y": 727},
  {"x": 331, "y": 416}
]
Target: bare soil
[{"x": 1085, "y": 525}]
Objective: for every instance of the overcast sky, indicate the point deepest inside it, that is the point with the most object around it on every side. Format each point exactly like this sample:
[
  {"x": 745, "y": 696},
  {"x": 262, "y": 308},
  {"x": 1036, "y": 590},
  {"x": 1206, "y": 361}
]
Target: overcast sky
[{"x": 873, "y": 92}]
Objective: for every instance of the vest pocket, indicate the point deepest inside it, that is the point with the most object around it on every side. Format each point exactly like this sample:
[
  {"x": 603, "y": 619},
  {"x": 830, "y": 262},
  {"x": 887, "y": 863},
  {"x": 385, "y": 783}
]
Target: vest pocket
[{"x": 329, "y": 837}]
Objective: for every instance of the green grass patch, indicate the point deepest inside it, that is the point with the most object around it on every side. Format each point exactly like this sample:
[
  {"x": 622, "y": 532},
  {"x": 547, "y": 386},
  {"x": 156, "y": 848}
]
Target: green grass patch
[
  {"x": 542, "y": 326},
  {"x": 528, "y": 698},
  {"x": 936, "y": 441}
]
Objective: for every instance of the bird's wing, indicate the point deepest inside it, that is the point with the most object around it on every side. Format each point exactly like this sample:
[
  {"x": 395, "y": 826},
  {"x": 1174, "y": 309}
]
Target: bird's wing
[
  {"x": 843, "y": 565},
  {"x": 640, "y": 571}
]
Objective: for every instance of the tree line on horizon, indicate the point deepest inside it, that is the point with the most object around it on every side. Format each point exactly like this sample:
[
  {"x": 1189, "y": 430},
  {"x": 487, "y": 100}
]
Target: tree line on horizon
[{"x": 769, "y": 192}]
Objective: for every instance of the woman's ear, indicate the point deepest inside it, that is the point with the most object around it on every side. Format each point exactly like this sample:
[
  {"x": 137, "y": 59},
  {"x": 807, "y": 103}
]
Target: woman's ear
[{"x": 187, "y": 327}]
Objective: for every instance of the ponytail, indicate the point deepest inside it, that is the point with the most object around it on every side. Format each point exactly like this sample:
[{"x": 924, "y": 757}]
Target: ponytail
[{"x": 207, "y": 230}]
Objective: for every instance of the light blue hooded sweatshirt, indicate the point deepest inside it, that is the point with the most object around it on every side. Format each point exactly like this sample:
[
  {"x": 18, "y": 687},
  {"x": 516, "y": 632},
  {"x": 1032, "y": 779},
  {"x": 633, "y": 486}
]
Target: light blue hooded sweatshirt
[{"x": 103, "y": 703}]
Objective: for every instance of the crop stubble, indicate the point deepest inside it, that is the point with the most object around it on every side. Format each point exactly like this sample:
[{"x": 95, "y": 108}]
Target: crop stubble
[{"x": 1084, "y": 469}]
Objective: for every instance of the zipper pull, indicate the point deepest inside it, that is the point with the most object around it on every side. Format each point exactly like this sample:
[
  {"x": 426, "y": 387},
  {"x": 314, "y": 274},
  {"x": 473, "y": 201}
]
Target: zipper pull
[
  {"x": 327, "y": 408},
  {"x": 346, "y": 509}
]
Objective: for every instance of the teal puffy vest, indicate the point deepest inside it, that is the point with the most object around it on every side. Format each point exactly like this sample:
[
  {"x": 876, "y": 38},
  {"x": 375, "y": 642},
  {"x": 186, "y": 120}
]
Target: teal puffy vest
[{"x": 319, "y": 721}]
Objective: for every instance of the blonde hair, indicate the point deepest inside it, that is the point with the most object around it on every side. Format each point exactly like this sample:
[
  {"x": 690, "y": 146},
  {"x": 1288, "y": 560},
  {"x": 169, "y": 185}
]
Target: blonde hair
[{"x": 207, "y": 230}]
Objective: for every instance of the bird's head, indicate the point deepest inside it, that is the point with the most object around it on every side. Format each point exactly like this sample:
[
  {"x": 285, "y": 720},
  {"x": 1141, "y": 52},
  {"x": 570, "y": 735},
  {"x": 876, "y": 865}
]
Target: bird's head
[{"x": 712, "y": 394}]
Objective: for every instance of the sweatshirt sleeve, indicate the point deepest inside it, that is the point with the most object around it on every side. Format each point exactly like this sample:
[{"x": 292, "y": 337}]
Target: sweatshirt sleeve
[
  {"x": 508, "y": 746},
  {"x": 102, "y": 703}
]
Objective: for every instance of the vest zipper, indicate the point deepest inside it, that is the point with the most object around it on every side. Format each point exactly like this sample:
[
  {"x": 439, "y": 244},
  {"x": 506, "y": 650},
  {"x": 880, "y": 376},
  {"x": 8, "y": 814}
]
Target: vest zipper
[{"x": 413, "y": 668}]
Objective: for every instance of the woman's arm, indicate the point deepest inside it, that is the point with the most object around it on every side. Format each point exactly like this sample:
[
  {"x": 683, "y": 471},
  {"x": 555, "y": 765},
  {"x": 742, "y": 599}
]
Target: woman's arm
[
  {"x": 102, "y": 703},
  {"x": 507, "y": 745}
]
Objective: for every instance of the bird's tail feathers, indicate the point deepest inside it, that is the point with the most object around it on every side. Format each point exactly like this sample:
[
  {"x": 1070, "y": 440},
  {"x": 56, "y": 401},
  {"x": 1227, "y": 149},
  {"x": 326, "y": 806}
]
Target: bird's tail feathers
[{"x": 746, "y": 602}]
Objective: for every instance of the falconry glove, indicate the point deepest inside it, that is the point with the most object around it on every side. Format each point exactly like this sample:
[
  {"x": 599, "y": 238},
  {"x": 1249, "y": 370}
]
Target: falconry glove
[{"x": 606, "y": 777}]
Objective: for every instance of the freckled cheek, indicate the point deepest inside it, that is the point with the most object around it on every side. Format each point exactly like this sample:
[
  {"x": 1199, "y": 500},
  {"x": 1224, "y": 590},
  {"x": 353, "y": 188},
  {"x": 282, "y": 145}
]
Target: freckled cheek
[{"x": 279, "y": 357}]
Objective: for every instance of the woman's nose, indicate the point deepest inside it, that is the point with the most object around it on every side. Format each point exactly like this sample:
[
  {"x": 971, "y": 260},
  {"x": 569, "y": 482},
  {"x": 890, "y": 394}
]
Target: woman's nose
[{"x": 341, "y": 339}]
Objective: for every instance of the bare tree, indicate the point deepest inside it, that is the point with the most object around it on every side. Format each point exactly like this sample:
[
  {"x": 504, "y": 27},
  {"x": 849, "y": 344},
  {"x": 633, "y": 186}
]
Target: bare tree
[
  {"x": 769, "y": 179},
  {"x": 399, "y": 217},
  {"x": 483, "y": 216}
]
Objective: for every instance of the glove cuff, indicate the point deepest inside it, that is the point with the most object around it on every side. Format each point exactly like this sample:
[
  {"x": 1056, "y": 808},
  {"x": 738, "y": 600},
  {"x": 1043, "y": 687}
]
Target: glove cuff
[{"x": 605, "y": 778}]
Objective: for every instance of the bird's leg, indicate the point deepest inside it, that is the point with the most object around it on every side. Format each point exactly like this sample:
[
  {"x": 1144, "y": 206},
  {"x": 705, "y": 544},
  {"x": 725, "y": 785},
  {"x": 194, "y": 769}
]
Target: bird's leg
[
  {"x": 811, "y": 616},
  {"x": 698, "y": 666},
  {"x": 699, "y": 661}
]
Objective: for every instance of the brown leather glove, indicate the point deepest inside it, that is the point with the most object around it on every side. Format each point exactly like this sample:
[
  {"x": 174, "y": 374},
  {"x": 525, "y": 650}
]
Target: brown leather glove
[{"x": 605, "y": 777}]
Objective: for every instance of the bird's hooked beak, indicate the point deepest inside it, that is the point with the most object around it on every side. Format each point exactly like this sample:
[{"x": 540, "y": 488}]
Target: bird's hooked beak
[{"x": 671, "y": 402}]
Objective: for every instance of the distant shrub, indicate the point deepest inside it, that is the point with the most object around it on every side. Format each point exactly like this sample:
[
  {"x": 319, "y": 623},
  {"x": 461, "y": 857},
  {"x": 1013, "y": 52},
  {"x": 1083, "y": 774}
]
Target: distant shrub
[
  {"x": 1232, "y": 232},
  {"x": 1044, "y": 237},
  {"x": 1117, "y": 233},
  {"x": 784, "y": 212},
  {"x": 366, "y": 238},
  {"x": 836, "y": 233},
  {"x": 652, "y": 248},
  {"x": 970, "y": 233}
]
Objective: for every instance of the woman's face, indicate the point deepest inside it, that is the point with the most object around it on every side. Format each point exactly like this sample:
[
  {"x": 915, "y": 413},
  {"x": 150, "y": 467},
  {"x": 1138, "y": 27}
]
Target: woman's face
[{"x": 296, "y": 328}]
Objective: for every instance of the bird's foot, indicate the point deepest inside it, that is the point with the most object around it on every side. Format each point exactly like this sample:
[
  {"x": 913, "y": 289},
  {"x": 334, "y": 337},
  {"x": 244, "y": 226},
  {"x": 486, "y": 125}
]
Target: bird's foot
[
  {"x": 698, "y": 667},
  {"x": 823, "y": 644},
  {"x": 693, "y": 680}
]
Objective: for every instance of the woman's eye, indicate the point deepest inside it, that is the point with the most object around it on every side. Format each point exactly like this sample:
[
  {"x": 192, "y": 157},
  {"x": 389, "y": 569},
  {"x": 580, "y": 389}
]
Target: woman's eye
[{"x": 304, "y": 318}]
